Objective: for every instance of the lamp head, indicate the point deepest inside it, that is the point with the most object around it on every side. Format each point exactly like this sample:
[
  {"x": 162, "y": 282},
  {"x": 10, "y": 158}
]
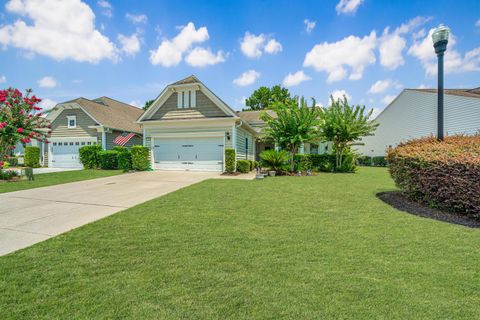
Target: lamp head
[{"x": 440, "y": 38}]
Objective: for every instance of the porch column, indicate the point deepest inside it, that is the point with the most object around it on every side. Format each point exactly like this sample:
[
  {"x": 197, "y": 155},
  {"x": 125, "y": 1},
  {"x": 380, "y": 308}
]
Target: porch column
[
  {"x": 104, "y": 139},
  {"x": 301, "y": 149}
]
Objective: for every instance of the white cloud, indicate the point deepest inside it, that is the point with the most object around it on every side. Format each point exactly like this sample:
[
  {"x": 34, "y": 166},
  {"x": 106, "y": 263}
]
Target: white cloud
[
  {"x": 136, "y": 103},
  {"x": 240, "y": 103},
  {"x": 339, "y": 94},
  {"x": 387, "y": 99},
  {"x": 201, "y": 57},
  {"x": 382, "y": 85},
  {"x": 136, "y": 18},
  {"x": 247, "y": 78},
  {"x": 47, "y": 104},
  {"x": 129, "y": 44},
  {"x": 107, "y": 8},
  {"x": 454, "y": 62},
  {"x": 334, "y": 58},
  {"x": 348, "y": 6},
  {"x": 253, "y": 46},
  {"x": 47, "y": 82},
  {"x": 273, "y": 47},
  {"x": 422, "y": 86},
  {"x": 3, "y": 79},
  {"x": 477, "y": 24},
  {"x": 68, "y": 34},
  {"x": 309, "y": 25},
  {"x": 170, "y": 52},
  {"x": 294, "y": 79}
]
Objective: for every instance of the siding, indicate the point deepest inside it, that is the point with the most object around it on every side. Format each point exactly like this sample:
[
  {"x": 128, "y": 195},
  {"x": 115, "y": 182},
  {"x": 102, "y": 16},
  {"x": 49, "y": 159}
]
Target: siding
[
  {"x": 241, "y": 145},
  {"x": 60, "y": 128},
  {"x": 135, "y": 141},
  {"x": 414, "y": 114},
  {"x": 205, "y": 109},
  {"x": 149, "y": 132}
]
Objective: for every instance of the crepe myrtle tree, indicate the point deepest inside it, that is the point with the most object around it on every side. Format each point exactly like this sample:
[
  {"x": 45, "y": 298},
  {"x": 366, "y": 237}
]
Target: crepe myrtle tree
[
  {"x": 295, "y": 124},
  {"x": 20, "y": 121},
  {"x": 344, "y": 125}
]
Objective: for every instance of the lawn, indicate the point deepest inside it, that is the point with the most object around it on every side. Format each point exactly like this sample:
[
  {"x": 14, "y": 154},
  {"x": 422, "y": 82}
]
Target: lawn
[
  {"x": 286, "y": 247},
  {"x": 50, "y": 179}
]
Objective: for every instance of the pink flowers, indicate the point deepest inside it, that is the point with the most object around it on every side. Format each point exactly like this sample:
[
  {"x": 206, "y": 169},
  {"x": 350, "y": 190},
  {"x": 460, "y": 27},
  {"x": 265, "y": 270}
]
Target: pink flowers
[
  {"x": 3, "y": 125},
  {"x": 20, "y": 130}
]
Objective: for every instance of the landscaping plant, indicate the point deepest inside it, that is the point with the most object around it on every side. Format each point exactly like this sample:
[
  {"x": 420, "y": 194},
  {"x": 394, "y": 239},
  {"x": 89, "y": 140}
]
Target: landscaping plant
[
  {"x": 243, "y": 166},
  {"x": 275, "y": 160},
  {"x": 344, "y": 125},
  {"x": 20, "y": 121},
  {"x": 230, "y": 160},
  {"x": 108, "y": 159},
  {"x": 140, "y": 158},
  {"x": 89, "y": 156},
  {"x": 124, "y": 158},
  {"x": 444, "y": 174},
  {"x": 32, "y": 157}
]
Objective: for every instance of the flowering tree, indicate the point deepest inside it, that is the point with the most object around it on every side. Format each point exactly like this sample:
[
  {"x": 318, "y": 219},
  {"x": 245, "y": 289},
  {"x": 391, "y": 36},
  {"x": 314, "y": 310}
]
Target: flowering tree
[{"x": 20, "y": 121}]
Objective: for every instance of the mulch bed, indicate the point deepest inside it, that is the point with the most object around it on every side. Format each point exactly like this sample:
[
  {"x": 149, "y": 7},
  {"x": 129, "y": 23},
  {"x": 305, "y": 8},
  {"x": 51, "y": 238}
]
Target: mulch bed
[{"x": 400, "y": 202}]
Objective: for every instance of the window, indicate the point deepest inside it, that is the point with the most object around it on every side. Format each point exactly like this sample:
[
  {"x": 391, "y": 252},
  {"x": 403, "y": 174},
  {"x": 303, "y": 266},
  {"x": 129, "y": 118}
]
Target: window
[
  {"x": 186, "y": 99},
  {"x": 71, "y": 122},
  {"x": 77, "y": 143}
]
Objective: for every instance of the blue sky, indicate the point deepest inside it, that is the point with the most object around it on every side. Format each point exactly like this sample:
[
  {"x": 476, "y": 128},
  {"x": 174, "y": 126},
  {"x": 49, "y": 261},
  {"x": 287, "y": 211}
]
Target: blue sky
[{"x": 129, "y": 50}]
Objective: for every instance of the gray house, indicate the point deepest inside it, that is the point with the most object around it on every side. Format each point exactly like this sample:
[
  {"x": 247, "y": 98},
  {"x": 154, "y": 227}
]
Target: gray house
[{"x": 81, "y": 122}]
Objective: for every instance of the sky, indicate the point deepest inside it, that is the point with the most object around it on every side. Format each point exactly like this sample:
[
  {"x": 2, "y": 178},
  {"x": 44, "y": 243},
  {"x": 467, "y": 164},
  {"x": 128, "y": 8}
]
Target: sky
[{"x": 368, "y": 50}]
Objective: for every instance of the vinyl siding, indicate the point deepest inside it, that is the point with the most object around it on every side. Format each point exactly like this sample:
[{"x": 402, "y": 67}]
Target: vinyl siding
[
  {"x": 414, "y": 114},
  {"x": 60, "y": 128},
  {"x": 205, "y": 109},
  {"x": 241, "y": 145},
  {"x": 110, "y": 136}
]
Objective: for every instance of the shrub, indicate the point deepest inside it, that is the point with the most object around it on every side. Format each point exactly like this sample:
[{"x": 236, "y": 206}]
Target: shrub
[
  {"x": 364, "y": 161},
  {"x": 124, "y": 158},
  {"x": 140, "y": 158},
  {"x": 379, "y": 161},
  {"x": 443, "y": 174},
  {"x": 318, "y": 162},
  {"x": 89, "y": 156},
  {"x": 108, "y": 159},
  {"x": 230, "y": 160},
  {"x": 252, "y": 165},
  {"x": 303, "y": 162},
  {"x": 32, "y": 157},
  {"x": 275, "y": 160},
  {"x": 8, "y": 174},
  {"x": 348, "y": 163},
  {"x": 243, "y": 166}
]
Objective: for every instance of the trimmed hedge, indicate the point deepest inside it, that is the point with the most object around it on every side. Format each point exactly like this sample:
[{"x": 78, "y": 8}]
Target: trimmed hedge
[
  {"x": 124, "y": 158},
  {"x": 443, "y": 174},
  {"x": 32, "y": 157},
  {"x": 243, "y": 166},
  {"x": 319, "y": 162},
  {"x": 89, "y": 156},
  {"x": 377, "y": 161},
  {"x": 140, "y": 158},
  {"x": 108, "y": 159},
  {"x": 364, "y": 161},
  {"x": 230, "y": 160}
]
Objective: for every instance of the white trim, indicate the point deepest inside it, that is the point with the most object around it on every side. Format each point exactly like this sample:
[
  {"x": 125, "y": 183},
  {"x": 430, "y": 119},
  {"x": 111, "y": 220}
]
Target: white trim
[
  {"x": 180, "y": 135},
  {"x": 162, "y": 97},
  {"x": 70, "y": 118},
  {"x": 62, "y": 139},
  {"x": 104, "y": 139}
]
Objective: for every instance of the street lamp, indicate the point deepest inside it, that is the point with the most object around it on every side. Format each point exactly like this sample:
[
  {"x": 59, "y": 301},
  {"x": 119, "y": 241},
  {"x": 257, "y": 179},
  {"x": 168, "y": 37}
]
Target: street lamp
[{"x": 440, "y": 40}]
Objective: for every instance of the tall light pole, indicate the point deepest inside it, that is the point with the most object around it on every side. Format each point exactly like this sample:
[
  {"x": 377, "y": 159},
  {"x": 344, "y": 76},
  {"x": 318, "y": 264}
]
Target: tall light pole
[{"x": 440, "y": 40}]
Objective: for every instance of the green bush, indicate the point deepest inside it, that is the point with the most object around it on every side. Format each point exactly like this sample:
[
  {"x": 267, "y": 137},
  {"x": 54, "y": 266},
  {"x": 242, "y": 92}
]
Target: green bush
[
  {"x": 243, "y": 166},
  {"x": 124, "y": 158},
  {"x": 364, "y": 161},
  {"x": 275, "y": 160},
  {"x": 379, "y": 161},
  {"x": 348, "y": 163},
  {"x": 13, "y": 161},
  {"x": 7, "y": 174},
  {"x": 252, "y": 165},
  {"x": 303, "y": 162},
  {"x": 442, "y": 174},
  {"x": 230, "y": 160},
  {"x": 317, "y": 162},
  {"x": 140, "y": 158},
  {"x": 89, "y": 156},
  {"x": 108, "y": 159},
  {"x": 32, "y": 157}
]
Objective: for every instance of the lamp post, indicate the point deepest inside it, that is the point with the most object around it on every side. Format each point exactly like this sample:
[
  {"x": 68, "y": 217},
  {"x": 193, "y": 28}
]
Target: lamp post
[{"x": 440, "y": 40}]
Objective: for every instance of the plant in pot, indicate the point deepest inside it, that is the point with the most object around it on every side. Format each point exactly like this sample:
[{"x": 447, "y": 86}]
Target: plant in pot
[{"x": 275, "y": 161}]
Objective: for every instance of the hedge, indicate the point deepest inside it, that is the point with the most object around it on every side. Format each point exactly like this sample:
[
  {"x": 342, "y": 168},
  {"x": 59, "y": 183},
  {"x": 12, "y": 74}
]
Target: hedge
[
  {"x": 319, "y": 162},
  {"x": 230, "y": 160},
  {"x": 377, "y": 161},
  {"x": 89, "y": 156},
  {"x": 124, "y": 158},
  {"x": 243, "y": 166},
  {"x": 108, "y": 159},
  {"x": 32, "y": 157},
  {"x": 441, "y": 174},
  {"x": 140, "y": 158}
]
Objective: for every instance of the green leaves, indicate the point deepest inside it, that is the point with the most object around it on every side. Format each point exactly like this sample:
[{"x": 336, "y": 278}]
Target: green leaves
[{"x": 265, "y": 98}]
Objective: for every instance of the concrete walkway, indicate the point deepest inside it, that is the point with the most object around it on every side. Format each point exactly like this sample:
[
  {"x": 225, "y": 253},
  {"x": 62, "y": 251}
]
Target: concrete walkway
[{"x": 31, "y": 216}]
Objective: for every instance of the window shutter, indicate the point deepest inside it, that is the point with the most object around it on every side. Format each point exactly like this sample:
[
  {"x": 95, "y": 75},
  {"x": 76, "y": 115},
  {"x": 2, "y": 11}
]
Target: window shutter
[
  {"x": 179, "y": 100},
  {"x": 194, "y": 98}
]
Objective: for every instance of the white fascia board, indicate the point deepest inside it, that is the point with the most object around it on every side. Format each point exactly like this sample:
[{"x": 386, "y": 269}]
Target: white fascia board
[
  {"x": 162, "y": 97},
  {"x": 194, "y": 122}
]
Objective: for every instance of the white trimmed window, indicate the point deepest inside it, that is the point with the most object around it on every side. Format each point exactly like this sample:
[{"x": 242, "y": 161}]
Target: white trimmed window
[
  {"x": 71, "y": 122},
  {"x": 186, "y": 99}
]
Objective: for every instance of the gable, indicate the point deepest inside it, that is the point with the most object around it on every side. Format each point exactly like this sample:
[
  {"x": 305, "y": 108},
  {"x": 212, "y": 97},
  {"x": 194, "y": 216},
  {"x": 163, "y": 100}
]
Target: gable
[
  {"x": 205, "y": 108},
  {"x": 60, "y": 127}
]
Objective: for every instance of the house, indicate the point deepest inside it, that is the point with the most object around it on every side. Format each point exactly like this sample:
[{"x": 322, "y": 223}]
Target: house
[
  {"x": 81, "y": 122},
  {"x": 413, "y": 114},
  {"x": 188, "y": 127}
]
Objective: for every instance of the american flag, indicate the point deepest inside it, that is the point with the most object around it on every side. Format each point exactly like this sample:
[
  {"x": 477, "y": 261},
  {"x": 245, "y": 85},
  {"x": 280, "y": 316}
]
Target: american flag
[{"x": 122, "y": 139}]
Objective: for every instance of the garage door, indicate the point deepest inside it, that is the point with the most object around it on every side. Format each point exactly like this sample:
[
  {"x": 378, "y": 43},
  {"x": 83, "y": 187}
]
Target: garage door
[
  {"x": 199, "y": 154},
  {"x": 64, "y": 153}
]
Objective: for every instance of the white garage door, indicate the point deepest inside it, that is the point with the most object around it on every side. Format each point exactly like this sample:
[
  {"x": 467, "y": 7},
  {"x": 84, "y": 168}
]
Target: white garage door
[
  {"x": 64, "y": 153},
  {"x": 199, "y": 154}
]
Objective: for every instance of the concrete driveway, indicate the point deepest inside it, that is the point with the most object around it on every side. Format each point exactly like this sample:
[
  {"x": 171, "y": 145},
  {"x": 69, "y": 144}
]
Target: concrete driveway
[{"x": 31, "y": 216}]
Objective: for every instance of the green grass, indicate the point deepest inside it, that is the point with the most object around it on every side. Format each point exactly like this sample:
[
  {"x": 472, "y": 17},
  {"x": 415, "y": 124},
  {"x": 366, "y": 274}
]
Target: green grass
[
  {"x": 286, "y": 247},
  {"x": 50, "y": 179}
]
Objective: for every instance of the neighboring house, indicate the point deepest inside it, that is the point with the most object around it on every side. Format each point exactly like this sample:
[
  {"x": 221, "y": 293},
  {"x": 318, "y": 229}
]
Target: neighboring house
[
  {"x": 413, "y": 114},
  {"x": 188, "y": 127},
  {"x": 81, "y": 122}
]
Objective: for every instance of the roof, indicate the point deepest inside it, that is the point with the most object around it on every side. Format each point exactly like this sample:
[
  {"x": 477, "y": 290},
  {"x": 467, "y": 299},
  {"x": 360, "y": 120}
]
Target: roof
[
  {"x": 471, "y": 93},
  {"x": 112, "y": 113},
  {"x": 254, "y": 116},
  {"x": 187, "y": 80}
]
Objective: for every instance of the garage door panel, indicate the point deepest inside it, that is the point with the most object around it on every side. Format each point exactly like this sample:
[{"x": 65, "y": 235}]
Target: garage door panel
[{"x": 64, "y": 153}]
